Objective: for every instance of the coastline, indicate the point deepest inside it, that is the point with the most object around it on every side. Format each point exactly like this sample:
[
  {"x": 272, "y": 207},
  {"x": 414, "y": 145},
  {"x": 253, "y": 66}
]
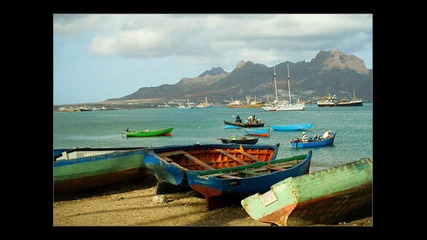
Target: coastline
[{"x": 134, "y": 204}]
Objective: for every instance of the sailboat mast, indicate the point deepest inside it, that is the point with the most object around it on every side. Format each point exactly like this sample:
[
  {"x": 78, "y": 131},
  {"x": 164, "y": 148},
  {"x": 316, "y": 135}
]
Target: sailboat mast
[
  {"x": 275, "y": 84},
  {"x": 289, "y": 86}
]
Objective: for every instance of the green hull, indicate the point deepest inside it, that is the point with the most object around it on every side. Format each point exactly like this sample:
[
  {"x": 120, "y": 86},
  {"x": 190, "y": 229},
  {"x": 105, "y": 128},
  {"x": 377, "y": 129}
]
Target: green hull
[
  {"x": 150, "y": 133},
  {"x": 90, "y": 172},
  {"x": 323, "y": 197}
]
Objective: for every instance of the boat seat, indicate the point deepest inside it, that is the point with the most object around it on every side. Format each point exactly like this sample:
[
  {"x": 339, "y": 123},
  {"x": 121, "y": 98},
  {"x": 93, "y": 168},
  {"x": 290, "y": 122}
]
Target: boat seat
[
  {"x": 250, "y": 156},
  {"x": 232, "y": 156},
  {"x": 166, "y": 155},
  {"x": 198, "y": 161}
]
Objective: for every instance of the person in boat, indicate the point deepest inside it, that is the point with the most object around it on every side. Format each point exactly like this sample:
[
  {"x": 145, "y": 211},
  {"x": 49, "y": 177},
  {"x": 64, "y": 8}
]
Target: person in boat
[
  {"x": 238, "y": 119},
  {"x": 250, "y": 119},
  {"x": 254, "y": 120},
  {"x": 127, "y": 129},
  {"x": 327, "y": 134},
  {"x": 304, "y": 138}
]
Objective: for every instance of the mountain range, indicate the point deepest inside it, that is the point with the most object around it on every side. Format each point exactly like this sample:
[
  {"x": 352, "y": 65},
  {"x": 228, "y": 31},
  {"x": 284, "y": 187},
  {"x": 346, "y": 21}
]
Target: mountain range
[{"x": 329, "y": 72}]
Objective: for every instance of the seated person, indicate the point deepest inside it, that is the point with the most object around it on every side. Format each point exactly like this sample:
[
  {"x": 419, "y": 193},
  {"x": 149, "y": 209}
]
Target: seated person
[
  {"x": 327, "y": 134},
  {"x": 238, "y": 119},
  {"x": 304, "y": 138}
]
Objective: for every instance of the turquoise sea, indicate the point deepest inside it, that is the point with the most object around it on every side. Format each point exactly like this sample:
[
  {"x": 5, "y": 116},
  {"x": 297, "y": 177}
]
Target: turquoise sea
[{"x": 354, "y": 126}]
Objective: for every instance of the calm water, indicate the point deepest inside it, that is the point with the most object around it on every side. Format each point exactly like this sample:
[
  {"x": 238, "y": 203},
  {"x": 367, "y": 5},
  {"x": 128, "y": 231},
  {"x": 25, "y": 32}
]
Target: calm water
[{"x": 354, "y": 126}]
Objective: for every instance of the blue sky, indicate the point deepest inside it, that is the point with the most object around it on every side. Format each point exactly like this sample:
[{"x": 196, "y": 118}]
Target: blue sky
[{"x": 102, "y": 56}]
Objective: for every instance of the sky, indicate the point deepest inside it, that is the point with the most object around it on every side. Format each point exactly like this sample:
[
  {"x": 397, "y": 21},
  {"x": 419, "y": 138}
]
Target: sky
[{"x": 101, "y": 56}]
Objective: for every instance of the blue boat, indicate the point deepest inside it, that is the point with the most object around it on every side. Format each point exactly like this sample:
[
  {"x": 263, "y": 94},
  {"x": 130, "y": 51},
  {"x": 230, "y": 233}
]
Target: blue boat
[
  {"x": 170, "y": 164},
  {"x": 314, "y": 142},
  {"x": 292, "y": 127},
  {"x": 225, "y": 186},
  {"x": 260, "y": 132}
]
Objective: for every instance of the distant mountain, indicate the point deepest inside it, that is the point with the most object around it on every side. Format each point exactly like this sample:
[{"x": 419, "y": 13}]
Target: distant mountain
[{"x": 329, "y": 72}]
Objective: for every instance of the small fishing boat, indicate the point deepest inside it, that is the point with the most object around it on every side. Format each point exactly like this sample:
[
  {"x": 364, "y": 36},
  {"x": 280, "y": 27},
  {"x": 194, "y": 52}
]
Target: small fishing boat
[
  {"x": 293, "y": 127},
  {"x": 243, "y": 124},
  {"x": 221, "y": 187},
  {"x": 240, "y": 140},
  {"x": 327, "y": 196},
  {"x": 80, "y": 169},
  {"x": 260, "y": 132},
  {"x": 171, "y": 163},
  {"x": 149, "y": 132},
  {"x": 314, "y": 142}
]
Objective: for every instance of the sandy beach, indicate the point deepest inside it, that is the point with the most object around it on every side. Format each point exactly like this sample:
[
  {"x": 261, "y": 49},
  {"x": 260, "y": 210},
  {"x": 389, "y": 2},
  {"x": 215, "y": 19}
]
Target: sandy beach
[{"x": 137, "y": 204}]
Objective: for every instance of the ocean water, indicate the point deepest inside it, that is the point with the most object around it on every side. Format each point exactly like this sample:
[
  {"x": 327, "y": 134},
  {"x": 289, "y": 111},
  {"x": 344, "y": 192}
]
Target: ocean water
[{"x": 354, "y": 126}]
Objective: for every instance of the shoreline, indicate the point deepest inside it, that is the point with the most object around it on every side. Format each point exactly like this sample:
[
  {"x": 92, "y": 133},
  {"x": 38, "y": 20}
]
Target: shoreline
[{"x": 136, "y": 204}]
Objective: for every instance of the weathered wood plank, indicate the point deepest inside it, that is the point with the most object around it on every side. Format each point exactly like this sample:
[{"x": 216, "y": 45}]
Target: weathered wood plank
[
  {"x": 232, "y": 157},
  {"x": 198, "y": 161}
]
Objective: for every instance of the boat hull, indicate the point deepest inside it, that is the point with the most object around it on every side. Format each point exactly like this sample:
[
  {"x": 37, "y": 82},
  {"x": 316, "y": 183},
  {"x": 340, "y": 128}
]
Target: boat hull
[
  {"x": 324, "y": 197},
  {"x": 240, "y": 141},
  {"x": 87, "y": 169},
  {"x": 151, "y": 133},
  {"x": 259, "y": 132},
  {"x": 171, "y": 163},
  {"x": 225, "y": 186},
  {"x": 292, "y": 127},
  {"x": 314, "y": 144},
  {"x": 244, "y": 125}
]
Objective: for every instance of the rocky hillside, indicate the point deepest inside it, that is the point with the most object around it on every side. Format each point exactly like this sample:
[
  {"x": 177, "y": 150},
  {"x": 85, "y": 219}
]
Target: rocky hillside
[{"x": 329, "y": 72}]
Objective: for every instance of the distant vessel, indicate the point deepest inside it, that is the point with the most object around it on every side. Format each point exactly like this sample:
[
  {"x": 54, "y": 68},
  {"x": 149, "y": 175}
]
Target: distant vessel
[
  {"x": 283, "y": 106},
  {"x": 249, "y": 103},
  {"x": 332, "y": 101},
  {"x": 187, "y": 105},
  {"x": 204, "y": 104}
]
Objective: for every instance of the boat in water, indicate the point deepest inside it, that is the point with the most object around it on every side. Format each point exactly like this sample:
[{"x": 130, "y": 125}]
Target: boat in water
[
  {"x": 240, "y": 140},
  {"x": 314, "y": 142},
  {"x": 332, "y": 101},
  {"x": 293, "y": 127},
  {"x": 149, "y": 132},
  {"x": 284, "y": 106}
]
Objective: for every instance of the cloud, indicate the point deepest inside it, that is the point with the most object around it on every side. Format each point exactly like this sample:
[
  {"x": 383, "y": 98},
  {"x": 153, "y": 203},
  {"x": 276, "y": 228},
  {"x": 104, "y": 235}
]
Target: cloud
[{"x": 255, "y": 37}]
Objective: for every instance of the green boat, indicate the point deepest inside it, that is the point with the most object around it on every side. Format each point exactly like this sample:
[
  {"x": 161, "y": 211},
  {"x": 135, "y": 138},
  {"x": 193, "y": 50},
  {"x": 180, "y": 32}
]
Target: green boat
[
  {"x": 328, "y": 196},
  {"x": 82, "y": 169},
  {"x": 149, "y": 132}
]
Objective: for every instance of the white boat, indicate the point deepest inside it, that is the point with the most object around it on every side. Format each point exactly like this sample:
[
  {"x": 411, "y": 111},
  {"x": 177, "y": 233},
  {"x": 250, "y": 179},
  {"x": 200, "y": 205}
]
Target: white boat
[
  {"x": 188, "y": 105},
  {"x": 204, "y": 104},
  {"x": 332, "y": 101},
  {"x": 284, "y": 106}
]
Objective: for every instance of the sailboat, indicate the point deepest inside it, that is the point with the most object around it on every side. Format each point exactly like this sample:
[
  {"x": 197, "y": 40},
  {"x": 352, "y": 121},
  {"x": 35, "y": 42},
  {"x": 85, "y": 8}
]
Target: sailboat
[{"x": 282, "y": 106}]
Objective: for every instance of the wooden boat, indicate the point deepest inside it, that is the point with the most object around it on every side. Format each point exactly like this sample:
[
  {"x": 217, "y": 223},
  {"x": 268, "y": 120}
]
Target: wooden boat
[
  {"x": 327, "y": 196},
  {"x": 149, "y": 132},
  {"x": 81, "y": 169},
  {"x": 292, "y": 127},
  {"x": 241, "y": 140},
  {"x": 314, "y": 142},
  {"x": 243, "y": 124},
  {"x": 171, "y": 163},
  {"x": 260, "y": 132},
  {"x": 224, "y": 186}
]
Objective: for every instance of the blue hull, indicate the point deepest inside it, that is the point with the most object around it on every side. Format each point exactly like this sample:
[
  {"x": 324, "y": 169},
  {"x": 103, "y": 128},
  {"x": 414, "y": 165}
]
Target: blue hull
[
  {"x": 314, "y": 144},
  {"x": 175, "y": 173},
  {"x": 218, "y": 189},
  {"x": 293, "y": 127}
]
